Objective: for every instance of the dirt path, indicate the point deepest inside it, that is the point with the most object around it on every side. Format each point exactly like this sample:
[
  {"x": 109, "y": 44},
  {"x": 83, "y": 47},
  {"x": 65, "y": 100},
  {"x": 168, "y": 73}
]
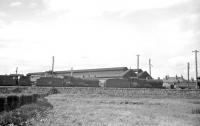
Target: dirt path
[{"x": 77, "y": 110}]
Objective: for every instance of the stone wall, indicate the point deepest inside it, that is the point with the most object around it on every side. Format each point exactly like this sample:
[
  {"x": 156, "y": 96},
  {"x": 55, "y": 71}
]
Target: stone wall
[
  {"x": 121, "y": 92},
  {"x": 126, "y": 92}
]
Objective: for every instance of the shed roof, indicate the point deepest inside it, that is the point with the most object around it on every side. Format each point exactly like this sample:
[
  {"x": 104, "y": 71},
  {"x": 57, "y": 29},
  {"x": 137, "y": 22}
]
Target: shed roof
[
  {"x": 144, "y": 74},
  {"x": 83, "y": 70},
  {"x": 95, "y": 70},
  {"x": 137, "y": 70}
]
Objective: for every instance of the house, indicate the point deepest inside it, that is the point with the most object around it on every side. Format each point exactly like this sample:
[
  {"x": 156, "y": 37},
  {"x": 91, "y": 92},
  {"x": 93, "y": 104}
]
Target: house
[
  {"x": 177, "y": 82},
  {"x": 173, "y": 80}
]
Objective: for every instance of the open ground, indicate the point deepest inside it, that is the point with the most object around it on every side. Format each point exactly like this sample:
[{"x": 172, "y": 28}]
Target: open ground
[{"x": 103, "y": 110}]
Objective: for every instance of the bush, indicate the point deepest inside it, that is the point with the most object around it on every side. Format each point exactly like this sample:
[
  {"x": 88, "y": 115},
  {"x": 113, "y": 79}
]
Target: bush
[
  {"x": 12, "y": 102},
  {"x": 53, "y": 91},
  {"x": 20, "y": 116},
  {"x": 4, "y": 91},
  {"x": 17, "y": 90},
  {"x": 34, "y": 97},
  {"x": 196, "y": 111},
  {"x": 2, "y": 103}
]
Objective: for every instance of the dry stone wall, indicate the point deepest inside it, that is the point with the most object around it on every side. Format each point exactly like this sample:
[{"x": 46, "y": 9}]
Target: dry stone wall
[
  {"x": 125, "y": 92},
  {"x": 119, "y": 92}
]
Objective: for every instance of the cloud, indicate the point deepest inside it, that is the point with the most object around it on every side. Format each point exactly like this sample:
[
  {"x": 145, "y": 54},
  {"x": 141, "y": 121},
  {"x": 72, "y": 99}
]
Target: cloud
[
  {"x": 89, "y": 34},
  {"x": 15, "y": 4},
  {"x": 96, "y": 7},
  {"x": 20, "y": 9},
  {"x": 3, "y": 14}
]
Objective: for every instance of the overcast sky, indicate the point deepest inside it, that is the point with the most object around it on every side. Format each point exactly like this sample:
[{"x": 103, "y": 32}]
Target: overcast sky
[{"x": 87, "y": 34}]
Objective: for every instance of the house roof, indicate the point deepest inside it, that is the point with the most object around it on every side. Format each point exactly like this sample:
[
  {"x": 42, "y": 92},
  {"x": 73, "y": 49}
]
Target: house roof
[{"x": 174, "y": 80}]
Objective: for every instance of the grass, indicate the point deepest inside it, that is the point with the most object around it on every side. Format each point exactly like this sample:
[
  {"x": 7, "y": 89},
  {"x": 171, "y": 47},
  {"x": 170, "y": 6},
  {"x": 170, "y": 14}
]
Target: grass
[
  {"x": 98, "y": 110},
  {"x": 17, "y": 90},
  {"x": 111, "y": 108}
]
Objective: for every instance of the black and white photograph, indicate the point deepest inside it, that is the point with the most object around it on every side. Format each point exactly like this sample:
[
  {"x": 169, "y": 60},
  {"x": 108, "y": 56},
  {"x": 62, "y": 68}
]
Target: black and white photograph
[{"x": 99, "y": 62}]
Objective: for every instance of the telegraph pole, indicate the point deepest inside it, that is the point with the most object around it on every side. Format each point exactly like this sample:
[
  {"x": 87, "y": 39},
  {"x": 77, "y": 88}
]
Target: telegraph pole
[
  {"x": 71, "y": 72},
  {"x": 150, "y": 67},
  {"x": 138, "y": 63},
  {"x": 16, "y": 70},
  {"x": 188, "y": 71},
  {"x": 16, "y": 77},
  {"x": 52, "y": 65},
  {"x": 196, "y": 68}
]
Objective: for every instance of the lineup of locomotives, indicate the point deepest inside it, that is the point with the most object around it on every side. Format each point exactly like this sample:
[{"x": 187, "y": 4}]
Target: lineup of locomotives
[
  {"x": 13, "y": 80},
  {"x": 68, "y": 81}
]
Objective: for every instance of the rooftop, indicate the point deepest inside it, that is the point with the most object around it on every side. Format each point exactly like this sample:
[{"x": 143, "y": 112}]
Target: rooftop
[{"x": 83, "y": 70}]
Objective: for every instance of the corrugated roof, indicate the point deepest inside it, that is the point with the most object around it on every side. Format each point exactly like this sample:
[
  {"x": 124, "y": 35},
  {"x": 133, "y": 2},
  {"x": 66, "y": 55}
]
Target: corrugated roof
[
  {"x": 95, "y": 70},
  {"x": 144, "y": 74},
  {"x": 84, "y": 70},
  {"x": 137, "y": 70},
  {"x": 130, "y": 71},
  {"x": 114, "y": 74}
]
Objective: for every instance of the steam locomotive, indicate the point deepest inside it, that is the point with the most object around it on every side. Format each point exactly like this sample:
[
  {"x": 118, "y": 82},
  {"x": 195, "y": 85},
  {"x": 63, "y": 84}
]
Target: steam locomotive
[{"x": 66, "y": 81}]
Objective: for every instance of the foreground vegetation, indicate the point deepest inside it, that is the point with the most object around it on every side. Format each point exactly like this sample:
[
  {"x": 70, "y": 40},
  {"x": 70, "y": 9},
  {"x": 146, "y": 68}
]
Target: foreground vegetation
[
  {"x": 21, "y": 116},
  {"x": 106, "y": 107},
  {"x": 101, "y": 110}
]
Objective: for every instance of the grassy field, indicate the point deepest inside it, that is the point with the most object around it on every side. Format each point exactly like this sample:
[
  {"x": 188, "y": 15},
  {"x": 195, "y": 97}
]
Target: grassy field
[{"x": 100, "y": 110}]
